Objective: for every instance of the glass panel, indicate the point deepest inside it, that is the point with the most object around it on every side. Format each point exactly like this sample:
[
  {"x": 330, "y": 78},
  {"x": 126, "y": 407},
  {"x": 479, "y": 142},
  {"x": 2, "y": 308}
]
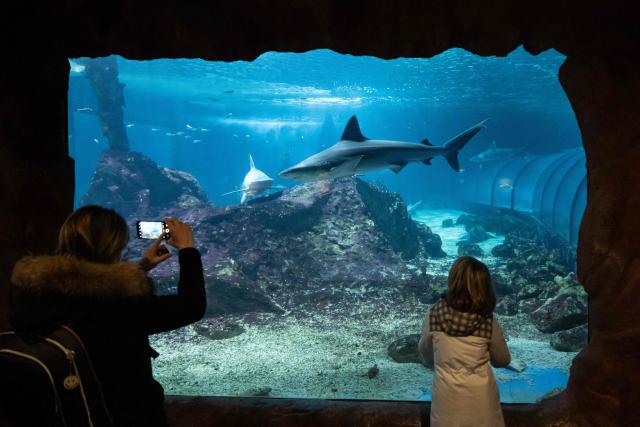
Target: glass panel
[
  {"x": 503, "y": 185},
  {"x": 549, "y": 188},
  {"x": 317, "y": 288},
  {"x": 527, "y": 180},
  {"x": 565, "y": 196}
]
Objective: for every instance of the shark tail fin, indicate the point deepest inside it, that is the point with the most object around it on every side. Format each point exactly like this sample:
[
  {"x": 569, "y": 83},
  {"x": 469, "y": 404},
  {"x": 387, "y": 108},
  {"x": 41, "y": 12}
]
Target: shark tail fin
[
  {"x": 457, "y": 143},
  {"x": 251, "y": 164}
]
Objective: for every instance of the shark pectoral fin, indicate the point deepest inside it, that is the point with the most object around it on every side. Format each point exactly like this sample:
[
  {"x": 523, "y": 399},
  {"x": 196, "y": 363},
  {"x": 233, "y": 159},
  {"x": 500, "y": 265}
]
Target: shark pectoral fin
[
  {"x": 235, "y": 191},
  {"x": 397, "y": 167},
  {"x": 348, "y": 167},
  {"x": 427, "y": 161}
]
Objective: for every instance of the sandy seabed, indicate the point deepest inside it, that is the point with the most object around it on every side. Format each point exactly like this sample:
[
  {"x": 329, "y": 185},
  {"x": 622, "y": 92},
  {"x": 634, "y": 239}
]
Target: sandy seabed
[{"x": 326, "y": 357}]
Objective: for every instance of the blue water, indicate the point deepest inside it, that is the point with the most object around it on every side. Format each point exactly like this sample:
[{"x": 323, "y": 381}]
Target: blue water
[
  {"x": 298, "y": 103},
  {"x": 527, "y": 386},
  {"x": 205, "y": 118}
]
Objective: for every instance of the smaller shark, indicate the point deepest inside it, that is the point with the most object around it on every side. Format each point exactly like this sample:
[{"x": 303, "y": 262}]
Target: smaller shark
[
  {"x": 494, "y": 153},
  {"x": 255, "y": 182}
]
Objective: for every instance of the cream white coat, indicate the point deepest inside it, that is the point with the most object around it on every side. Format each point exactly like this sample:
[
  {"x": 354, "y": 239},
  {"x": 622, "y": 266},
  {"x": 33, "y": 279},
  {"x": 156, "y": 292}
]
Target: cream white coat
[{"x": 464, "y": 391}]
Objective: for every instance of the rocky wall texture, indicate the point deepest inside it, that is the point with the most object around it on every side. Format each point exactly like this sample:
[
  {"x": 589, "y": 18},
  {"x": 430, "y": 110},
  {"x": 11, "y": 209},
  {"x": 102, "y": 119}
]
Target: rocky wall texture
[
  {"x": 600, "y": 76},
  {"x": 604, "y": 385}
]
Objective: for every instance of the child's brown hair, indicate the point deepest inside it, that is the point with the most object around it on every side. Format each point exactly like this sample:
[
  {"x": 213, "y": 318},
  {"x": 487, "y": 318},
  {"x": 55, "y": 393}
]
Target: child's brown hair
[{"x": 470, "y": 288}]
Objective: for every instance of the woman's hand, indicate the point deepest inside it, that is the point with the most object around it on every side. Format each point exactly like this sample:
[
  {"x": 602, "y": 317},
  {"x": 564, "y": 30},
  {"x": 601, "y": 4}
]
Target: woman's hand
[
  {"x": 156, "y": 254},
  {"x": 181, "y": 235}
]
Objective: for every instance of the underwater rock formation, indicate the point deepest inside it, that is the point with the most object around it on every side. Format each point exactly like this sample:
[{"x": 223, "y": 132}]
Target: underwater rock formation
[
  {"x": 525, "y": 237},
  {"x": 136, "y": 187},
  {"x": 102, "y": 74},
  {"x": 564, "y": 311},
  {"x": 466, "y": 248},
  {"x": 315, "y": 246},
  {"x": 573, "y": 339},
  {"x": 507, "y": 306},
  {"x": 477, "y": 234},
  {"x": 405, "y": 349}
]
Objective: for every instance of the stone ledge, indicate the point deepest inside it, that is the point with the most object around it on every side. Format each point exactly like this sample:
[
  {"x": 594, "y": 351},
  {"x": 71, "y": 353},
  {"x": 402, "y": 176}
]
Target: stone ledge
[{"x": 259, "y": 411}]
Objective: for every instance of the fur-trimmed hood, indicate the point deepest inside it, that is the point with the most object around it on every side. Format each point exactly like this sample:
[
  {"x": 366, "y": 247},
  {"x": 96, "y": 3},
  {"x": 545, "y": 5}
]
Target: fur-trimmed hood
[{"x": 67, "y": 275}]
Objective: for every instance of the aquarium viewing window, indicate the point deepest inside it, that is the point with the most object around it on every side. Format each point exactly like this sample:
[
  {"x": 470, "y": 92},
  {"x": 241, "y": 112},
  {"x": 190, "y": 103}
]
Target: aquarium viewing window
[{"x": 317, "y": 288}]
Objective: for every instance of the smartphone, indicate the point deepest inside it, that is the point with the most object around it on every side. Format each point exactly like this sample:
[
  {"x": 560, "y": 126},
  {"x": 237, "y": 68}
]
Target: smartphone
[{"x": 152, "y": 229}]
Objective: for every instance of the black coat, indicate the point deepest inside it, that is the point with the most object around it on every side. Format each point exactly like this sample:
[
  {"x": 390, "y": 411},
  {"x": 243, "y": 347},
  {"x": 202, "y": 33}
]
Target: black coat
[{"x": 113, "y": 310}]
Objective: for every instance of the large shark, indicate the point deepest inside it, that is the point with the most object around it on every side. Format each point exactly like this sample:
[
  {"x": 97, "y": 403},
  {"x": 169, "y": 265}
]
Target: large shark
[
  {"x": 355, "y": 154},
  {"x": 254, "y": 183}
]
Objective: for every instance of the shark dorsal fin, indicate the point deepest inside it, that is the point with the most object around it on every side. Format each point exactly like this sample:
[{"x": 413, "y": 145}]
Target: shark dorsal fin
[
  {"x": 352, "y": 131},
  {"x": 426, "y": 142},
  {"x": 251, "y": 164}
]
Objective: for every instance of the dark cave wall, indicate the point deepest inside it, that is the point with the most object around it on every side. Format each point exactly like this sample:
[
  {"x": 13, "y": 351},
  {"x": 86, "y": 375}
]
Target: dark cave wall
[
  {"x": 605, "y": 94},
  {"x": 600, "y": 77},
  {"x": 36, "y": 175}
]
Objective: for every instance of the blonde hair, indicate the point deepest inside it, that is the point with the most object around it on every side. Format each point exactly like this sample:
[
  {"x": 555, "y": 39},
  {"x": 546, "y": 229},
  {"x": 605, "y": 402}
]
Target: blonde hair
[
  {"x": 93, "y": 233},
  {"x": 470, "y": 288}
]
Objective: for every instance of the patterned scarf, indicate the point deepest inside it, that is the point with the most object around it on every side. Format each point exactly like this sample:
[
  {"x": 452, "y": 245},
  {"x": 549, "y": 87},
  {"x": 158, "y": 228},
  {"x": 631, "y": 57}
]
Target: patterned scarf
[{"x": 458, "y": 323}]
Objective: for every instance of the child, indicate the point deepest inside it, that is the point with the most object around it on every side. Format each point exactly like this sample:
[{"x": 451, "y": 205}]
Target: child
[{"x": 459, "y": 337}]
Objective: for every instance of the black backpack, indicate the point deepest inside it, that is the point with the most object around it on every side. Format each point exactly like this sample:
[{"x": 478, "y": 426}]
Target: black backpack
[{"x": 48, "y": 380}]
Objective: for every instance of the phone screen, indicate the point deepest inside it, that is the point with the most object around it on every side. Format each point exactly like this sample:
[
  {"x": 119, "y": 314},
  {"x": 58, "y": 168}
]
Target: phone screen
[{"x": 152, "y": 229}]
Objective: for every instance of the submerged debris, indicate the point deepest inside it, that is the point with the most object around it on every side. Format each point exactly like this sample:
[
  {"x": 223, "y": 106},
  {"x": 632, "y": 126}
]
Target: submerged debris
[
  {"x": 257, "y": 392},
  {"x": 405, "y": 349},
  {"x": 373, "y": 371},
  {"x": 517, "y": 365},
  {"x": 217, "y": 329}
]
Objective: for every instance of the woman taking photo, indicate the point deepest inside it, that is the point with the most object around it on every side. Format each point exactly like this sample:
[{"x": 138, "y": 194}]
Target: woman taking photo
[{"x": 110, "y": 304}]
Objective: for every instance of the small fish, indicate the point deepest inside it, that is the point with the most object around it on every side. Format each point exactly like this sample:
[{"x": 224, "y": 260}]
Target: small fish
[
  {"x": 180, "y": 133},
  {"x": 204, "y": 130},
  {"x": 197, "y": 141},
  {"x": 130, "y": 125},
  {"x": 170, "y": 134},
  {"x": 96, "y": 140},
  {"x": 188, "y": 126},
  {"x": 84, "y": 110},
  {"x": 154, "y": 129},
  {"x": 506, "y": 186},
  {"x": 187, "y": 137}
]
